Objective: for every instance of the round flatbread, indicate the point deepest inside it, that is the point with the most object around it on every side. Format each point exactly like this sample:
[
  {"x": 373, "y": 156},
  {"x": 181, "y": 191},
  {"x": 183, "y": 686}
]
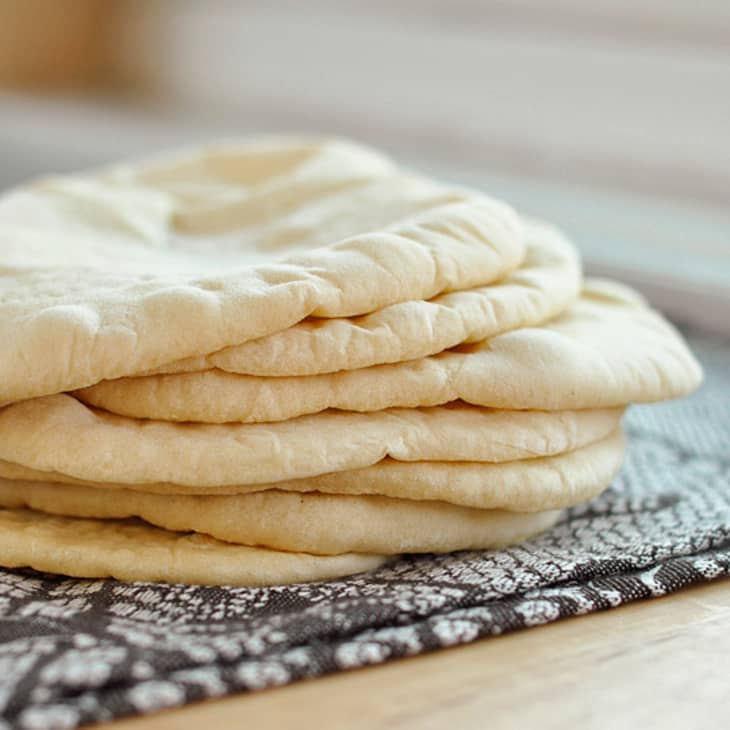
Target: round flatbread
[
  {"x": 320, "y": 524},
  {"x": 60, "y": 434},
  {"x": 607, "y": 349},
  {"x": 547, "y": 281},
  {"x": 125, "y": 270},
  {"x": 532, "y": 485},
  {"x": 133, "y": 551}
]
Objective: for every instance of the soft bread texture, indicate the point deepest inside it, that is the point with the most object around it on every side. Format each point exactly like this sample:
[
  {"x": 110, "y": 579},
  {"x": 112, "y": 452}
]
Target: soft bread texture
[
  {"x": 115, "y": 273},
  {"x": 320, "y": 524},
  {"x": 546, "y": 282},
  {"x": 282, "y": 361},
  {"x": 60, "y": 434},
  {"x": 532, "y": 485},
  {"x": 134, "y": 551},
  {"x": 607, "y": 349}
]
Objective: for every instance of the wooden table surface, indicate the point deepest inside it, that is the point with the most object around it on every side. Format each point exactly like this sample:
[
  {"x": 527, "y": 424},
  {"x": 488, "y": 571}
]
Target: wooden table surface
[{"x": 658, "y": 664}]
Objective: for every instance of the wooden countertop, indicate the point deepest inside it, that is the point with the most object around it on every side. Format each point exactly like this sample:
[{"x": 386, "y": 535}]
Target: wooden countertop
[{"x": 658, "y": 664}]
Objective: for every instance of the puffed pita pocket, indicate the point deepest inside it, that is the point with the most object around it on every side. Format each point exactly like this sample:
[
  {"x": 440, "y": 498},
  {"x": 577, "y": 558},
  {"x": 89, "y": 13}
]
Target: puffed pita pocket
[
  {"x": 607, "y": 349},
  {"x": 116, "y": 272},
  {"x": 546, "y": 282}
]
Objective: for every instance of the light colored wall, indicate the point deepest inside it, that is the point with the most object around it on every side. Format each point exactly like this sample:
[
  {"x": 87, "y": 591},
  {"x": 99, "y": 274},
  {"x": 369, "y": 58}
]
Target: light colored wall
[{"x": 627, "y": 94}]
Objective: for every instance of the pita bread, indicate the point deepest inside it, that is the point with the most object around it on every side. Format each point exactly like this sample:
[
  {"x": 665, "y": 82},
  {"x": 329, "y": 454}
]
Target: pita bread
[
  {"x": 115, "y": 273},
  {"x": 58, "y": 433},
  {"x": 607, "y": 349},
  {"x": 532, "y": 485},
  {"x": 133, "y": 551},
  {"x": 545, "y": 284},
  {"x": 320, "y": 524}
]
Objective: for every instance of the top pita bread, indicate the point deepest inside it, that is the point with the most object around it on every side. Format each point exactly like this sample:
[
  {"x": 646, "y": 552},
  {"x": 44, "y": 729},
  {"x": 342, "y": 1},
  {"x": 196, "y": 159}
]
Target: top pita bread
[
  {"x": 546, "y": 282},
  {"x": 116, "y": 273},
  {"x": 608, "y": 349}
]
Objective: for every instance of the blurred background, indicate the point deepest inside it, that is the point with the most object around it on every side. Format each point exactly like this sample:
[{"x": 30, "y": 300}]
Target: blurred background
[{"x": 609, "y": 117}]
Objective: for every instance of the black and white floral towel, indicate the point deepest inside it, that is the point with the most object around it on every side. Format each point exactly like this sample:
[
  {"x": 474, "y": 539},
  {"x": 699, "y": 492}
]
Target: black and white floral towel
[{"x": 75, "y": 652}]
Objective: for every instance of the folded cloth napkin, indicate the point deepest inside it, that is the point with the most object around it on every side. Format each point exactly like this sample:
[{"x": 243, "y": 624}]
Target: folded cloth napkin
[{"x": 80, "y": 651}]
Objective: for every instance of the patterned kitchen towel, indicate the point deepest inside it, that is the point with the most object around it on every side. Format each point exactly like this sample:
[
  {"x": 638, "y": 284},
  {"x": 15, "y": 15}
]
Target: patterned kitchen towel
[{"x": 80, "y": 651}]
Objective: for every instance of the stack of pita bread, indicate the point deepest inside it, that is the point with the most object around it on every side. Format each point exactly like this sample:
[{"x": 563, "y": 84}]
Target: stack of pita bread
[{"x": 289, "y": 360}]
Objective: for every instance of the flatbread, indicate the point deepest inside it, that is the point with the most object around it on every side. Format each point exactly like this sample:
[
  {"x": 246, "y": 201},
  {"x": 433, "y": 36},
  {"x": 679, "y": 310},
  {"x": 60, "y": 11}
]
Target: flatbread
[
  {"x": 320, "y": 524},
  {"x": 532, "y": 485},
  {"x": 60, "y": 434},
  {"x": 117, "y": 272},
  {"x": 607, "y": 349},
  {"x": 133, "y": 551},
  {"x": 547, "y": 281}
]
